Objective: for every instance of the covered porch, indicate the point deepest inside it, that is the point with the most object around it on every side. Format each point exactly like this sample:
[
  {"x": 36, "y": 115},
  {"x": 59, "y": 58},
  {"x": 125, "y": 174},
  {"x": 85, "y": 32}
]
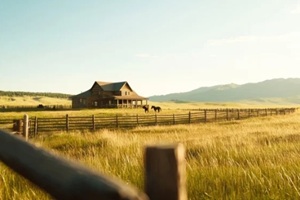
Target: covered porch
[{"x": 119, "y": 102}]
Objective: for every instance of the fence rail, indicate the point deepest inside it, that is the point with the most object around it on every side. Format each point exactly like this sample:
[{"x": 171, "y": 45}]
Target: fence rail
[
  {"x": 70, "y": 123},
  {"x": 165, "y": 173},
  {"x": 165, "y": 167}
]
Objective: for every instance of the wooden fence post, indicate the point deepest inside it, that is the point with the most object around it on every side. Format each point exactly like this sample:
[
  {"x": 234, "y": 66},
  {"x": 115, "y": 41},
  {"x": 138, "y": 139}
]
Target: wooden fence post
[
  {"x": 93, "y": 123},
  {"x": 174, "y": 119},
  {"x": 165, "y": 172},
  {"x": 35, "y": 126},
  {"x": 227, "y": 114},
  {"x": 205, "y": 116},
  {"x": 216, "y": 115},
  {"x": 155, "y": 119},
  {"x": 67, "y": 122},
  {"x": 117, "y": 121},
  {"x": 26, "y": 126},
  {"x": 238, "y": 113},
  {"x": 190, "y": 116}
]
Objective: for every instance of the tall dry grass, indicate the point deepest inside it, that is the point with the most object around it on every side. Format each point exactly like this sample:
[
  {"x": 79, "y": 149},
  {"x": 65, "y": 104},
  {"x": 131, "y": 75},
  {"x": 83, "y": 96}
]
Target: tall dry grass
[{"x": 257, "y": 158}]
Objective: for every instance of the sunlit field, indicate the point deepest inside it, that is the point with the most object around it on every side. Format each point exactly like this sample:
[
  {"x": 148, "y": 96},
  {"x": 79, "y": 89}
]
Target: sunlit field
[
  {"x": 167, "y": 107},
  {"x": 256, "y": 158},
  {"x": 32, "y": 101}
]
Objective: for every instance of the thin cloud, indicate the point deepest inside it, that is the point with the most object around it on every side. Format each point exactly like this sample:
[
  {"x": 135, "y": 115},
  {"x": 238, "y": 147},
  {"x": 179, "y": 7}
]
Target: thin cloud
[
  {"x": 239, "y": 39},
  {"x": 289, "y": 37},
  {"x": 145, "y": 55},
  {"x": 296, "y": 11}
]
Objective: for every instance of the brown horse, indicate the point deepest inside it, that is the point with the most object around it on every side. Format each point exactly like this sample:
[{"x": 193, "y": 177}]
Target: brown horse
[
  {"x": 156, "y": 108},
  {"x": 146, "y": 108}
]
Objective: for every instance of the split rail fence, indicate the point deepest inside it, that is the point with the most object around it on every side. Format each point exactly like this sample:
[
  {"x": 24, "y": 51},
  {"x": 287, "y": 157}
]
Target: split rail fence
[
  {"x": 165, "y": 167},
  {"x": 71, "y": 123},
  {"x": 165, "y": 173}
]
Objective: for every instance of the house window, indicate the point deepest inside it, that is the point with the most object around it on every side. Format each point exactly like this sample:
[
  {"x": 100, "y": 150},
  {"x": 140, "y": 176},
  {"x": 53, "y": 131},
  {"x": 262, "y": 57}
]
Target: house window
[
  {"x": 82, "y": 101},
  {"x": 96, "y": 103}
]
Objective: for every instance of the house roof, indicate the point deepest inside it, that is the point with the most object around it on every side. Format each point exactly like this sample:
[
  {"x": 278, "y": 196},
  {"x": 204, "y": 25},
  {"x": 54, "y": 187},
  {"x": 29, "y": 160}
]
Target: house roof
[
  {"x": 108, "y": 86},
  {"x": 83, "y": 94}
]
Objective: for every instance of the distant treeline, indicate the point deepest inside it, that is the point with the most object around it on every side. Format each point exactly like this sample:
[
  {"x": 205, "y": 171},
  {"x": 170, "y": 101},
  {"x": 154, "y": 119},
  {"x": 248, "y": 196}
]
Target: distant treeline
[{"x": 45, "y": 94}]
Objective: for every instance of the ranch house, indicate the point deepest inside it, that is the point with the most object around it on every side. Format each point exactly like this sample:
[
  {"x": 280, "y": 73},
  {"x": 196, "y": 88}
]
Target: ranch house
[{"x": 109, "y": 95}]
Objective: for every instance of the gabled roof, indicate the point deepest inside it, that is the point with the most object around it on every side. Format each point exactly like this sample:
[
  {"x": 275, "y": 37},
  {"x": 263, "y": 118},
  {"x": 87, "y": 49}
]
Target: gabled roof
[
  {"x": 83, "y": 94},
  {"x": 109, "y": 86}
]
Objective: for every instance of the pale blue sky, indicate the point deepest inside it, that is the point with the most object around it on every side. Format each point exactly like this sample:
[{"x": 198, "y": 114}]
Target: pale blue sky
[{"x": 159, "y": 46}]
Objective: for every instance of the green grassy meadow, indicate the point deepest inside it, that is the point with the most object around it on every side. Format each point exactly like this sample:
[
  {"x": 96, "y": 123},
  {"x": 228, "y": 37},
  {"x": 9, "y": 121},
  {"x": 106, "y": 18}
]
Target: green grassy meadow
[{"x": 256, "y": 158}]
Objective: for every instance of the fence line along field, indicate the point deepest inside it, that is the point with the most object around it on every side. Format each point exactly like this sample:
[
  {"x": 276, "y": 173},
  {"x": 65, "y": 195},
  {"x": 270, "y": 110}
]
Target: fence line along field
[
  {"x": 254, "y": 158},
  {"x": 95, "y": 122}
]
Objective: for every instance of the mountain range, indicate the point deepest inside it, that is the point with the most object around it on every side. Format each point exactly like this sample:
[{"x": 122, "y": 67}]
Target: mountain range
[{"x": 287, "y": 90}]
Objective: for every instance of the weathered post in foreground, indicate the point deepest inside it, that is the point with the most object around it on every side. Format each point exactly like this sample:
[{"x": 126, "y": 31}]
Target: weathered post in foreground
[
  {"x": 26, "y": 127},
  {"x": 165, "y": 172}
]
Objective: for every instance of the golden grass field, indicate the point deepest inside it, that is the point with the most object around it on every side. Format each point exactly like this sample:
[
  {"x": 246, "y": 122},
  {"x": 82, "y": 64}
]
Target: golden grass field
[
  {"x": 32, "y": 101},
  {"x": 256, "y": 158}
]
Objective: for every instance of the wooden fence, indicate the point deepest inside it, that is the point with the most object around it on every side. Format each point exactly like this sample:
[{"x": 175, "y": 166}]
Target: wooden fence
[
  {"x": 70, "y": 123},
  {"x": 165, "y": 167},
  {"x": 165, "y": 173}
]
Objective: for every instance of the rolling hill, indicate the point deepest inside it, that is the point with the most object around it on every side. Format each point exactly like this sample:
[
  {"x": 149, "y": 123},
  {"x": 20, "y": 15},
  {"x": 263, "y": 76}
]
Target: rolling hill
[{"x": 274, "y": 90}]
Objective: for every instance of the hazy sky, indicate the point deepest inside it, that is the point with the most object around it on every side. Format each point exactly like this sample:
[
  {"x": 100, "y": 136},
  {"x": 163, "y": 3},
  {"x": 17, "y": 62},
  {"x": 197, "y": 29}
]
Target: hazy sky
[{"x": 158, "y": 46}]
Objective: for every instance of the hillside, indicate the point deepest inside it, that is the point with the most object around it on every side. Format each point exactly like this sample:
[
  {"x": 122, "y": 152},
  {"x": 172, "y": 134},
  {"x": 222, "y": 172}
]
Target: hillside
[
  {"x": 17, "y": 98},
  {"x": 274, "y": 90},
  {"x": 40, "y": 94},
  {"x": 33, "y": 101}
]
